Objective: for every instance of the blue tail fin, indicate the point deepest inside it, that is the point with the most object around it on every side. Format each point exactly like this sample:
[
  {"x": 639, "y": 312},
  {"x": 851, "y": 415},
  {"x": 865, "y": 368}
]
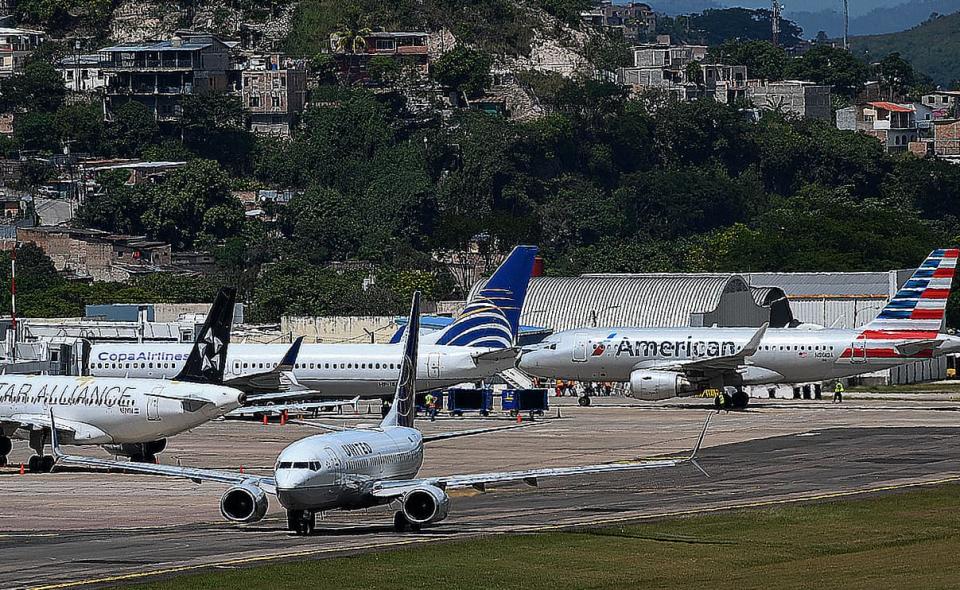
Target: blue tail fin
[
  {"x": 404, "y": 400},
  {"x": 492, "y": 318}
]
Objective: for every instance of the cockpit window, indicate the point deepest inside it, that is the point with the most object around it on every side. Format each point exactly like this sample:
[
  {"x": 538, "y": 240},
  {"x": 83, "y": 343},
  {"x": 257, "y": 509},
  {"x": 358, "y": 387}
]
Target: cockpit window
[
  {"x": 553, "y": 346},
  {"x": 284, "y": 465},
  {"x": 314, "y": 465},
  {"x": 300, "y": 465}
]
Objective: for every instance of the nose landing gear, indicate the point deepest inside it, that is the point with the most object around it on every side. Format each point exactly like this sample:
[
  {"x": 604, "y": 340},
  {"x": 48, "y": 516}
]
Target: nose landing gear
[{"x": 301, "y": 522}]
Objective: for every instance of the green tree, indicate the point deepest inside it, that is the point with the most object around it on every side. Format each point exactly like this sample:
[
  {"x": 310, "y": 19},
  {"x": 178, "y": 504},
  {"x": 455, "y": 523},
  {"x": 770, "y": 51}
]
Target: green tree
[
  {"x": 193, "y": 204},
  {"x": 36, "y": 131},
  {"x": 384, "y": 70},
  {"x": 896, "y": 76},
  {"x": 464, "y": 70},
  {"x": 39, "y": 87},
  {"x": 763, "y": 59},
  {"x": 81, "y": 126},
  {"x": 833, "y": 66},
  {"x": 133, "y": 129},
  {"x": 214, "y": 127}
]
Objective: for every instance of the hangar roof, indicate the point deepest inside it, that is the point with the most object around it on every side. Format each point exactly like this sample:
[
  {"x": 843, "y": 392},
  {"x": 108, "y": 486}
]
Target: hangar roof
[
  {"x": 654, "y": 299},
  {"x": 830, "y": 285}
]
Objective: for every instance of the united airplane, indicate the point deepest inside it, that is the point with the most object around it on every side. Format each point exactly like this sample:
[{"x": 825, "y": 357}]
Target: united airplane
[
  {"x": 660, "y": 363},
  {"x": 360, "y": 468},
  {"x": 478, "y": 345},
  {"x": 131, "y": 417}
]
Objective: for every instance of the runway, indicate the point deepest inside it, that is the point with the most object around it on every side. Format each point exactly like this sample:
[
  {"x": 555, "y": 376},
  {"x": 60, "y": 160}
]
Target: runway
[{"x": 120, "y": 528}]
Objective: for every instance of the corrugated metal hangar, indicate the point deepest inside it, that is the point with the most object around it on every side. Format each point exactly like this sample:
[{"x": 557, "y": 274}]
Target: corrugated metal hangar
[{"x": 647, "y": 300}]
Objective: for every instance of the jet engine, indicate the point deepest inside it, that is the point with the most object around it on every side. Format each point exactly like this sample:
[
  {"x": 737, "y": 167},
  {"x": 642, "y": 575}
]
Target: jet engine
[
  {"x": 657, "y": 385},
  {"x": 139, "y": 451},
  {"x": 244, "y": 503},
  {"x": 425, "y": 505}
]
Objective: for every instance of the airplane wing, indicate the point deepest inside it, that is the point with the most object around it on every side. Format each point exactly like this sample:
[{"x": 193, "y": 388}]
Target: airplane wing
[
  {"x": 78, "y": 431},
  {"x": 279, "y": 378},
  {"x": 714, "y": 364},
  {"x": 302, "y": 407},
  {"x": 460, "y": 433},
  {"x": 479, "y": 481},
  {"x": 267, "y": 484},
  {"x": 496, "y": 356},
  {"x": 427, "y": 438}
]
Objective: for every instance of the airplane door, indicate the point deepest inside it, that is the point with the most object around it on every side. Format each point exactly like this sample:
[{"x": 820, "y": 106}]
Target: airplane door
[
  {"x": 859, "y": 351},
  {"x": 334, "y": 466},
  {"x": 153, "y": 408},
  {"x": 580, "y": 351},
  {"x": 433, "y": 365}
]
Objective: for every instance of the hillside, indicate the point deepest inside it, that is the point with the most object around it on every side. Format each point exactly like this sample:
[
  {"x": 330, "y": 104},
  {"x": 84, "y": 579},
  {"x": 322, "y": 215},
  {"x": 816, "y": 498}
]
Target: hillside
[
  {"x": 879, "y": 21},
  {"x": 932, "y": 47}
]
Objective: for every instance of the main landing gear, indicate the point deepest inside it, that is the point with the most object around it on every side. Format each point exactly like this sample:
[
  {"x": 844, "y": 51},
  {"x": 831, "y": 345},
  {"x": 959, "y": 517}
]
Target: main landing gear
[
  {"x": 401, "y": 524},
  {"x": 301, "y": 522},
  {"x": 5, "y": 446},
  {"x": 39, "y": 463},
  {"x": 735, "y": 399}
]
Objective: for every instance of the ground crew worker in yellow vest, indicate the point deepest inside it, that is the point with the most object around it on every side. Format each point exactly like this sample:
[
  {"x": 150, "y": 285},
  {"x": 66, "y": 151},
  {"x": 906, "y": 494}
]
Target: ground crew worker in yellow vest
[
  {"x": 431, "y": 402},
  {"x": 838, "y": 393},
  {"x": 722, "y": 402}
]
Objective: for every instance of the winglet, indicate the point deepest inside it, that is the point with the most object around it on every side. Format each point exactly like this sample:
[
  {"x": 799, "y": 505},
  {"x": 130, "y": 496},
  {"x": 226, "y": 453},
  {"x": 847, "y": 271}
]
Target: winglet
[
  {"x": 754, "y": 344},
  {"x": 55, "y": 439},
  {"x": 289, "y": 359}
]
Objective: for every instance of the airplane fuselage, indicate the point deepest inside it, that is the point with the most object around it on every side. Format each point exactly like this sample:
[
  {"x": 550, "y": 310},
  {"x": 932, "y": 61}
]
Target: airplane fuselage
[
  {"x": 784, "y": 355},
  {"x": 112, "y": 411},
  {"x": 337, "y": 470},
  {"x": 332, "y": 370}
]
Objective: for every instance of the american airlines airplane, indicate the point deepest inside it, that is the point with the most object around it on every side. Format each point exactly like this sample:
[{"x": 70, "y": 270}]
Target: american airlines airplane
[
  {"x": 359, "y": 468},
  {"x": 131, "y": 417},
  {"x": 660, "y": 363},
  {"x": 479, "y": 344}
]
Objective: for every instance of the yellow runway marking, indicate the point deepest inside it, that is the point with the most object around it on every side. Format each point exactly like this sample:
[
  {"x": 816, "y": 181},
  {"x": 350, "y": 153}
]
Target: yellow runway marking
[{"x": 533, "y": 528}]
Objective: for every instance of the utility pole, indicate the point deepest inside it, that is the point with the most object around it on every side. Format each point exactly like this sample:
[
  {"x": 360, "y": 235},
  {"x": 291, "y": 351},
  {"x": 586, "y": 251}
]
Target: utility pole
[
  {"x": 846, "y": 24},
  {"x": 775, "y": 22},
  {"x": 13, "y": 302}
]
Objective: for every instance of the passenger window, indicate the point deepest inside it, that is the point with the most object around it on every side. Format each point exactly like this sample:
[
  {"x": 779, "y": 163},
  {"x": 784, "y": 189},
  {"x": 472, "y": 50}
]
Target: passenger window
[
  {"x": 311, "y": 365},
  {"x": 326, "y": 366}
]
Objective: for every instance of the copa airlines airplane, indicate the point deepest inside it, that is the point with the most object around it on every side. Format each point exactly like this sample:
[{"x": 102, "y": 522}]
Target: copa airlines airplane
[
  {"x": 479, "y": 344},
  {"x": 359, "y": 468},
  {"x": 660, "y": 363},
  {"x": 131, "y": 417}
]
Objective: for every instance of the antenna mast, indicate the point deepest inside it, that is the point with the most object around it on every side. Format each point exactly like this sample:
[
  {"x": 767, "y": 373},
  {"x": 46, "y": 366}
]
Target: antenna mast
[
  {"x": 846, "y": 24},
  {"x": 775, "y": 24}
]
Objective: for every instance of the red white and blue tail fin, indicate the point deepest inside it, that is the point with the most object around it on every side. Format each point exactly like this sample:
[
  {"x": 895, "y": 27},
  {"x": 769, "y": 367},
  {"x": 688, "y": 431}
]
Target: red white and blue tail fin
[{"x": 920, "y": 304}]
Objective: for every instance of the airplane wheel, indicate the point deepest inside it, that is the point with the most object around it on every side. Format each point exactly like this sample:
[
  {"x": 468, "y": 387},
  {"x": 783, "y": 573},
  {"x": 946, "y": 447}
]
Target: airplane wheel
[
  {"x": 34, "y": 464},
  {"x": 584, "y": 401},
  {"x": 46, "y": 464},
  {"x": 740, "y": 399},
  {"x": 293, "y": 520},
  {"x": 400, "y": 522},
  {"x": 5, "y": 445},
  {"x": 3, "y": 460}
]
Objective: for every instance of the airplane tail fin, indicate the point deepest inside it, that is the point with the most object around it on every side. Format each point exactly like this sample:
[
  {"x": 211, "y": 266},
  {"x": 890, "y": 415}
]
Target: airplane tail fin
[
  {"x": 404, "y": 399},
  {"x": 492, "y": 318},
  {"x": 208, "y": 357},
  {"x": 920, "y": 303}
]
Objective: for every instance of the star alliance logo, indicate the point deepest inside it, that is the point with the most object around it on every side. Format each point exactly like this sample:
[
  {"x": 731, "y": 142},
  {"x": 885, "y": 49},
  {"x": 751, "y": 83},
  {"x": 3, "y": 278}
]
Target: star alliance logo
[{"x": 211, "y": 351}]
